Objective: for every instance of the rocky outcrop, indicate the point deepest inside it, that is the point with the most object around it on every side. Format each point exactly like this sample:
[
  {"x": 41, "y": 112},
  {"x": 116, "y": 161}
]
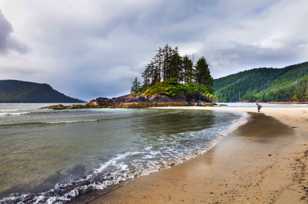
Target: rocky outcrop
[
  {"x": 101, "y": 102},
  {"x": 131, "y": 101}
]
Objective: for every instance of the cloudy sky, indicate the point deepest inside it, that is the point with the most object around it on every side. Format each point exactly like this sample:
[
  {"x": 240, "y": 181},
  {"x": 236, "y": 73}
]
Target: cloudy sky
[{"x": 95, "y": 48}]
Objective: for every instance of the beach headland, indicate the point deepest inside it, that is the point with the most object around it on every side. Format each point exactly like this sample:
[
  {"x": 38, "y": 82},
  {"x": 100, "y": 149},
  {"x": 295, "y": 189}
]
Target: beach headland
[{"x": 263, "y": 161}]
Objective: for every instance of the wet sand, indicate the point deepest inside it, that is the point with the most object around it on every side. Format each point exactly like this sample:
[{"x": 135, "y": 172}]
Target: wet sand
[{"x": 264, "y": 161}]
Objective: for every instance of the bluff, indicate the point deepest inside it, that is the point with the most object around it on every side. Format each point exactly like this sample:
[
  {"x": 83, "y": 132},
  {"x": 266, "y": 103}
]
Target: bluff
[{"x": 14, "y": 91}]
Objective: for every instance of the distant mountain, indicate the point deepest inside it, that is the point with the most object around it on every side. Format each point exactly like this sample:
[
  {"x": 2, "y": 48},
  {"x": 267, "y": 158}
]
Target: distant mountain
[
  {"x": 13, "y": 91},
  {"x": 265, "y": 84}
]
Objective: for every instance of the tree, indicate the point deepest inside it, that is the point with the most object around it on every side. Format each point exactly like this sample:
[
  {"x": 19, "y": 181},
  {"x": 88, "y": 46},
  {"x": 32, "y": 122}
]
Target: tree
[
  {"x": 147, "y": 76},
  {"x": 167, "y": 54},
  {"x": 187, "y": 72},
  {"x": 301, "y": 90},
  {"x": 203, "y": 75},
  {"x": 168, "y": 65},
  {"x": 175, "y": 66},
  {"x": 136, "y": 86}
]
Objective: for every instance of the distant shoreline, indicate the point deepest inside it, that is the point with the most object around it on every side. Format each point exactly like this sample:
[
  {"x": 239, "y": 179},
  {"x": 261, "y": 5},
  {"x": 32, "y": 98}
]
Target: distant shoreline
[{"x": 140, "y": 105}]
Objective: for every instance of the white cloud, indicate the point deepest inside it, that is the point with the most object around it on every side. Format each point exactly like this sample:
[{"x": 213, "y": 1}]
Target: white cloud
[{"x": 95, "y": 48}]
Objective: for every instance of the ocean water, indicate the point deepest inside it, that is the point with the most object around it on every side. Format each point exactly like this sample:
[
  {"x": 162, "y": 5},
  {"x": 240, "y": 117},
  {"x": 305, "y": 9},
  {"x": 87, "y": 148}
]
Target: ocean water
[{"x": 55, "y": 156}]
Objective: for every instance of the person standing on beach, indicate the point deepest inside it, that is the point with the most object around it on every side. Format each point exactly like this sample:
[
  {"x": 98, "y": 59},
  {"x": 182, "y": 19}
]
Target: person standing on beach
[{"x": 259, "y": 107}]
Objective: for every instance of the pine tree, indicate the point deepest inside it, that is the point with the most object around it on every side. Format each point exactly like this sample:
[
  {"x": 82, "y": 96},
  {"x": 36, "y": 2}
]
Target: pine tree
[
  {"x": 167, "y": 65},
  {"x": 188, "y": 72},
  {"x": 136, "y": 86},
  {"x": 175, "y": 66},
  {"x": 156, "y": 69},
  {"x": 146, "y": 76},
  {"x": 203, "y": 75},
  {"x": 166, "y": 53}
]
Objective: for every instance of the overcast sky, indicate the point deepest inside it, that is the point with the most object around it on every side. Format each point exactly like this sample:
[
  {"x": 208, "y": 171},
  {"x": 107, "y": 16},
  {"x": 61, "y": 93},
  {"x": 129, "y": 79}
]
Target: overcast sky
[{"x": 95, "y": 48}]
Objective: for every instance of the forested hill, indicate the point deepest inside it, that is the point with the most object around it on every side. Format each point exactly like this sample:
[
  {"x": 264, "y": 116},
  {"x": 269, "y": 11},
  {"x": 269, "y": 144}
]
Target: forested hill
[
  {"x": 265, "y": 84},
  {"x": 13, "y": 91}
]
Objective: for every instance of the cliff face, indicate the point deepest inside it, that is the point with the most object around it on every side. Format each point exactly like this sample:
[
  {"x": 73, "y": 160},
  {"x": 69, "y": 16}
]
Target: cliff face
[{"x": 14, "y": 91}]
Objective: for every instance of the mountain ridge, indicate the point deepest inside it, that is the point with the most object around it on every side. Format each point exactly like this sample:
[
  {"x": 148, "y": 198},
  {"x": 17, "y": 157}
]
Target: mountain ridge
[
  {"x": 17, "y": 91},
  {"x": 265, "y": 84}
]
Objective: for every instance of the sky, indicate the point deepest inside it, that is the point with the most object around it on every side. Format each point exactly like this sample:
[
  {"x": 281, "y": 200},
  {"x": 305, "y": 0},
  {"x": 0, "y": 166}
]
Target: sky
[{"x": 95, "y": 48}]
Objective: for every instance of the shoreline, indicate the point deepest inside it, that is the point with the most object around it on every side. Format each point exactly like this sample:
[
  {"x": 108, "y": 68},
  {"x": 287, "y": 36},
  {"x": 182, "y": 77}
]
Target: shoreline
[
  {"x": 244, "y": 117},
  {"x": 166, "y": 186},
  {"x": 83, "y": 185},
  {"x": 156, "y": 105}
]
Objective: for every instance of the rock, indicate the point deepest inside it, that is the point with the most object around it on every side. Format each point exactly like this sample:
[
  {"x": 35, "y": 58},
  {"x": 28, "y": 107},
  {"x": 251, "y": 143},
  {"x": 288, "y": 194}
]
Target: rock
[
  {"x": 77, "y": 106},
  {"x": 57, "y": 107},
  {"x": 134, "y": 101},
  {"x": 92, "y": 103},
  {"x": 166, "y": 99},
  {"x": 100, "y": 103},
  {"x": 129, "y": 99}
]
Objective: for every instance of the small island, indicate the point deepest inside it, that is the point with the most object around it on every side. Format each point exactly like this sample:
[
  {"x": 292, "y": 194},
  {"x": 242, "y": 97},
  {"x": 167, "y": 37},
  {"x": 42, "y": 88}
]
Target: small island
[{"x": 168, "y": 80}]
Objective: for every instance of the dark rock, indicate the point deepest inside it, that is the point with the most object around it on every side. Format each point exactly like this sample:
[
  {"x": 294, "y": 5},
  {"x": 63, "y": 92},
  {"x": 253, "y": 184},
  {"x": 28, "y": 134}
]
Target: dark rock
[
  {"x": 129, "y": 99},
  {"x": 100, "y": 103}
]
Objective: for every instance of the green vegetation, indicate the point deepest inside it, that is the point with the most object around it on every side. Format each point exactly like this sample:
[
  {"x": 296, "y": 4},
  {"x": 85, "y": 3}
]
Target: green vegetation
[
  {"x": 172, "y": 75},
  {"x": 13, "y": 91},
  {"x": 174, "y": 89},
  {"x": 136, "y": 87},
  {"x": 265, "y": 84}
]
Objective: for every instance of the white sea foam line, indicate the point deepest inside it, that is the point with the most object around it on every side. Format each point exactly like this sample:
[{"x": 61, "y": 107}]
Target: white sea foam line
[
  {"x": 114, "y": 160},
  {"x": 243, "y": 120},
  {"x": 12, "y": 114},
  {"x": 71, "y": 121},
  {"x": 10, "y": 110}
]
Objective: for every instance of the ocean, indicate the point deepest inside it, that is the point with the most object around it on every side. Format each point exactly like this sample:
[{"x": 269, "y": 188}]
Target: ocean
[{"x": 51, "y": 156}]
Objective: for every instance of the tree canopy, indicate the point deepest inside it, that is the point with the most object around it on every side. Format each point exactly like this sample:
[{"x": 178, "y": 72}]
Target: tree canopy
[{"x": 168, "y": 65}]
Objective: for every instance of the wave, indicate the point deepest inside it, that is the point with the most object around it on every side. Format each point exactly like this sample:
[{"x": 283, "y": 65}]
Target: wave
[
  {"x": 99, "y": 118},
  {"x": 129, "y": 165},
  {"x": 4, "y": 114},
  {"x": 46, "y": 123}
]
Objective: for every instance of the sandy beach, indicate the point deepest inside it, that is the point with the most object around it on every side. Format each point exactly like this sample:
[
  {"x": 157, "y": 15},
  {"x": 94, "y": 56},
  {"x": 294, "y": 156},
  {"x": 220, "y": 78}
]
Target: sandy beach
[{"x": 263, "y": 161}]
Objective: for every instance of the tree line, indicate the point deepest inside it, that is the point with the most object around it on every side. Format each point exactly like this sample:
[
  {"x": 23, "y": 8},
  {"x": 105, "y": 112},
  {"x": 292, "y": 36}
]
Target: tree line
[{"x": 168, "y": 65}]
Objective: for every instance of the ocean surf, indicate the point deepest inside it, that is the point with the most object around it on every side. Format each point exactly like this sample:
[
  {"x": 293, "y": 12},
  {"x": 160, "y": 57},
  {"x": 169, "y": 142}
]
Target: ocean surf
[{"x": 56, "y": 156}]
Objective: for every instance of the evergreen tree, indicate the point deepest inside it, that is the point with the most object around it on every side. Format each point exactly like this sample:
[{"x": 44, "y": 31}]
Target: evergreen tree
[
  {"x": 156, "y": 69},
  {"x": 136, "y": 86},
  {"x": 166, "y": 53},
  {"x": 147, "y": 76},
  {"x": 167, "y": 65},
  {"x": 175, "y": 66},
  {"x": 188, "y": 72},
  {"x": 203, "y": 75}
]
